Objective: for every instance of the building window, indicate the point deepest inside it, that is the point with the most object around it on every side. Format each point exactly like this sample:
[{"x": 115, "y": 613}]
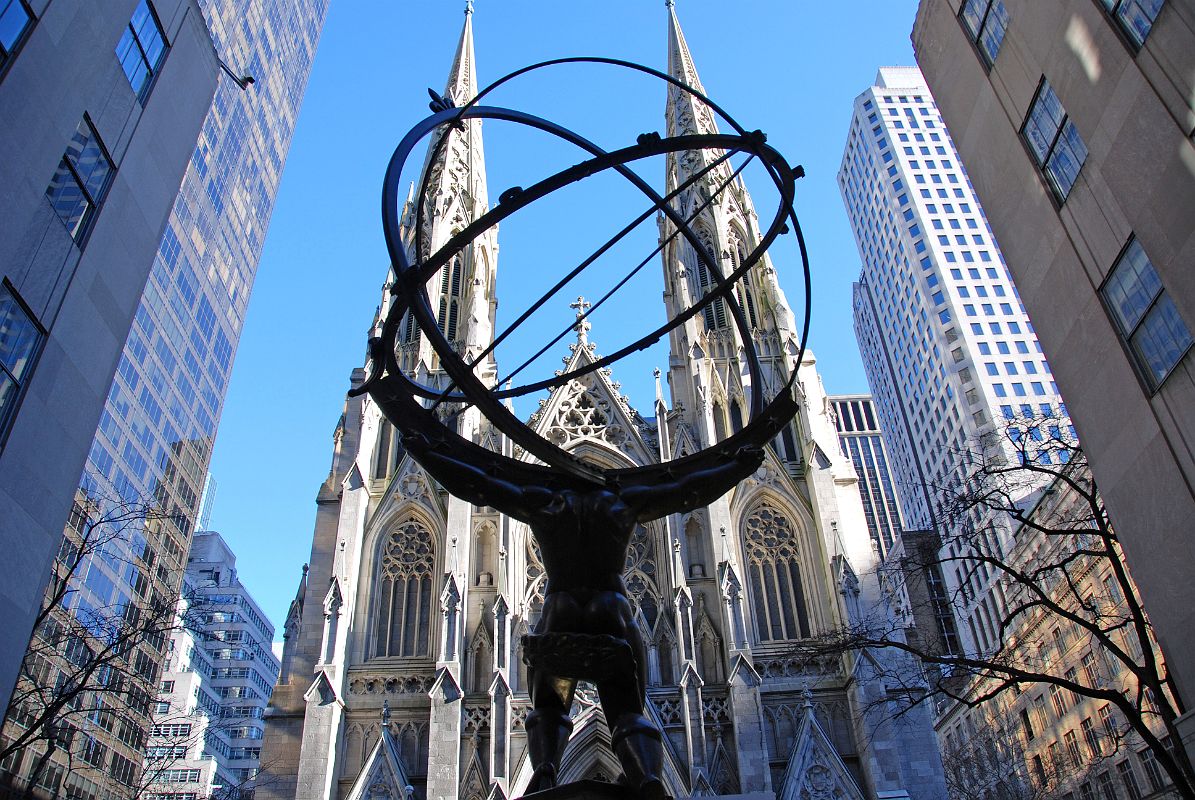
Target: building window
[
  {"x": 14, "y": 22},
  {"x": 1145, "y": 315},
  {"x": 82, "y": 180},
  {"x": 1134, "y": 17},
  {"x": 450, "y": 298},
  {"x": 773, "y": 564},
  {"x": 1152, "y": 771},
  {"x": 1054, "y": 141},
  {"x": 1131, "y": 787},
  {"x": 20, "y": 342},
  {"x": 985, "y": 22},
  {"x": 142, "y": 48},
  {"x": 403, "y": 617}
]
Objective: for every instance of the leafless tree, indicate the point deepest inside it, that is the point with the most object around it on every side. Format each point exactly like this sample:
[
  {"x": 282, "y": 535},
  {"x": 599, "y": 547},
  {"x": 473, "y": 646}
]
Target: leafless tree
[
  {"x": 94, "y": 659},
  {"x": 1023, "y": 531}
]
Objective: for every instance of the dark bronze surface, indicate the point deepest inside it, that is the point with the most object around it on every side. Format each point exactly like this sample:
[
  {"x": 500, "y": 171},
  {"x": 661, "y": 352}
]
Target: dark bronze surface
[{"x": 582, "y": 516}]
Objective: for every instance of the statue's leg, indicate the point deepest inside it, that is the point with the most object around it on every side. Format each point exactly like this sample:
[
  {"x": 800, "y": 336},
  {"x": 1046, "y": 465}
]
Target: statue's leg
[
  {"x": 548, "y": 725},
  {"x": 637, "y": 742}
]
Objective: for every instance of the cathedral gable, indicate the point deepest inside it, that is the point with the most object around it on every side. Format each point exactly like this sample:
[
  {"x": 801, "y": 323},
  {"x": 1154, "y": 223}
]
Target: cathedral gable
[
  {"x": 589, "y": 410},
  {"x": 815, "y": 770},
  {"x": 410, "y": 485},
  {"x": 383, "y": 776}
]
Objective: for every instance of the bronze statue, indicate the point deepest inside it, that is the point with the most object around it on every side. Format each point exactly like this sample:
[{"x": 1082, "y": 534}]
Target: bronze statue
[
  {"x": 582, "y": 516},
  {"x": 587, "y": 621}
]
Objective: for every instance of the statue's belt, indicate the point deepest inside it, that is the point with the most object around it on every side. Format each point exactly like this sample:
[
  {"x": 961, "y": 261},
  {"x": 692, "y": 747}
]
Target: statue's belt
[{"x": 579, "y": 656}]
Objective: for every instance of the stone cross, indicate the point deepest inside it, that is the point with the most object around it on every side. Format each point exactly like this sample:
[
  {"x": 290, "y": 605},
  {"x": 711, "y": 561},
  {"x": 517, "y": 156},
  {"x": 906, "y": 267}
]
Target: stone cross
[{"x": 582, "y": 327}]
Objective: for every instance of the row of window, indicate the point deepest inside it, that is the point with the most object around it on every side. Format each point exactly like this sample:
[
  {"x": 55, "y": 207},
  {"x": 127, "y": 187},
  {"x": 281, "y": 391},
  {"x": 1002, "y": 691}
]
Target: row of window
[{"x": 986, "y": 22}]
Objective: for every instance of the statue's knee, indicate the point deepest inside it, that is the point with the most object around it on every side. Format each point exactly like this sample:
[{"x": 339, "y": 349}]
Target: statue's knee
[
  {"x": 548, "y": 719},
  {"x": 632, "y": 724}
]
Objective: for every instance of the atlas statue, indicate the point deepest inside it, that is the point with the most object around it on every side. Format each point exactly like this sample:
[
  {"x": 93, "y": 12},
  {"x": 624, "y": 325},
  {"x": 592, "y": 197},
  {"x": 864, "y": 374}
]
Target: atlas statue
[{"x": 582, "y": 516}]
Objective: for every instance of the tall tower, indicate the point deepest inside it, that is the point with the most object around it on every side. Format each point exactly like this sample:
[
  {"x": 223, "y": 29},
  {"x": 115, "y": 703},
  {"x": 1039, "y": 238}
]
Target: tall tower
[
  {"x": 402, "y": 663},
  {"x": 172, "y": 308},
  {"x": 863, "y": 443},
  {"x": 949, "y": 350}
]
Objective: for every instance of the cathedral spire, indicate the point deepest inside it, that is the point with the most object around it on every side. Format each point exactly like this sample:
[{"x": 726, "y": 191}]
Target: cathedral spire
[
  {"x": 454, "y": 182},
  {"x": 686, "y": 114},
  {"x": 462, "y": 80}
]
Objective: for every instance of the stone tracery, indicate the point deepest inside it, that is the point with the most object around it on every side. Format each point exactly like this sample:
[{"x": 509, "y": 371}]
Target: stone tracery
[
  {"x": 406, "y": 560},
  {"x": 772, "y": 554}
]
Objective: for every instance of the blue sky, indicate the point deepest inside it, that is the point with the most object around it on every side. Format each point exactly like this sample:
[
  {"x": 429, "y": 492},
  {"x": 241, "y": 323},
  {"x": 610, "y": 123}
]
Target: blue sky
[{"x": 791, "y": 69}]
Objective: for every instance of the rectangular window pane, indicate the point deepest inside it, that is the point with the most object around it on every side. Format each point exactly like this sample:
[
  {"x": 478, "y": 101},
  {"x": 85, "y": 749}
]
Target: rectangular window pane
[
  {"x": 1146, "y": 316},
  {"x": 79, "y": 185},
  {"x": 19, "y": 340},
  {"x": 14, "y": 19},
  {"x": 1162, "y": 339},
  {"x": 1136, "y": 18},
  {"x": 18, "y": 336},
  {"x": 141, "y": 48},
  {"x": 91, "y": 164},
  {"x": 993, "y": 31},
  {"x": 1054, "y": 141},
  {"x": 972, "y": 14},
  {"x": 68, "y": 199},
  {"x": 1066, "y": 160},
  {"x": 1132, "y": 287}
]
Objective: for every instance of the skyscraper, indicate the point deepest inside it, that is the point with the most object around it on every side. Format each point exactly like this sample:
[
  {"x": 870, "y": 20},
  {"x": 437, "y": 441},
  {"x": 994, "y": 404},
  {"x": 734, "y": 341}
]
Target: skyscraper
[
  {"x": 156, "y": 429},
  {"x": 862, "y": 442},
  {"x": 1076, "y": 121},
  {"x": 207, "y": 720},
  {"x": 101, "y": 106},
  {"x": 948, "y": 348},
  {"x": 402, "y": 662}
]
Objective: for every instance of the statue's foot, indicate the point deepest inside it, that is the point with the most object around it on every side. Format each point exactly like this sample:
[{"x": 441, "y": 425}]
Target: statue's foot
[{"x": 543, "y": 778}]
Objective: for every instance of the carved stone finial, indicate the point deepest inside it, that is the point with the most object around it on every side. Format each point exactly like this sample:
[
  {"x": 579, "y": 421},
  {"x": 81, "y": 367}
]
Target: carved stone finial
[
  {"x": 468, "y": 7},
  {"x": 670, "y": 3},
  {"x": 385, "y": 712}
]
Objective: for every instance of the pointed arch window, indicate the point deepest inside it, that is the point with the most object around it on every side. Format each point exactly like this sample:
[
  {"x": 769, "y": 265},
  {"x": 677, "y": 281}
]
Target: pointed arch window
[
  {"x": 403, "y": 617},
  {"x": 743, "y": 289},
  {"x": 387, "y": 452},
  {"x": 714, "y": 314},
  {"x": 640, "y": 572},
  {"x": 772, "y": 554},
  {"x": 409, "y": 329},
  {"x": 450, "y": 297}
]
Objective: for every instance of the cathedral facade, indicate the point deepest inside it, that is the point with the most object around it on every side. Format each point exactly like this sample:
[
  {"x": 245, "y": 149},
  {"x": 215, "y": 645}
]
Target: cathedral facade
[{"x": 402, "y": 673}]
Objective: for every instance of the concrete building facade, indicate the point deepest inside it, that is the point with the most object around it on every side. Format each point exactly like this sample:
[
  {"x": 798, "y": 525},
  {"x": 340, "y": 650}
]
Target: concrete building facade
[
  {"x": 1075, "y": 120},
  {"x": 208, "y": 719},
  {"x": 402, "y": 664},
  {"x": 95, "y": 143},
  {"x": 1043, "y": 740},
  {"x": 949, "y": 350}
]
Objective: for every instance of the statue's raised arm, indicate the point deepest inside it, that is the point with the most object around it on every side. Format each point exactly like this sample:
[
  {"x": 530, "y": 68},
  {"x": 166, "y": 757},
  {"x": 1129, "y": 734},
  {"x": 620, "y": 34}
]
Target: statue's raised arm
[
  {"x": 693, "y": 490},
  {"x": 474, "y": 484}
]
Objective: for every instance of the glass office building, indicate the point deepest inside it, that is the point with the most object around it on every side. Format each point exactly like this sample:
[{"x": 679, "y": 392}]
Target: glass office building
[
  {"x": 156, "y": 432},
  {"x": 862, "y": 442}
]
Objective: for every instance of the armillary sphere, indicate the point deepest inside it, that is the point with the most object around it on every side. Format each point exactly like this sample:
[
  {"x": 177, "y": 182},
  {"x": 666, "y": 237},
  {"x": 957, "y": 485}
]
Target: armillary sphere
[{"x": 410, "y": 405}]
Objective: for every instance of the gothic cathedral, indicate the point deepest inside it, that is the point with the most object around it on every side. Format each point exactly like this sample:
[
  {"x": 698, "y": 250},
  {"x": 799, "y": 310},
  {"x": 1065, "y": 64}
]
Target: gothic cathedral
[{"x": 402, "y": 674}]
